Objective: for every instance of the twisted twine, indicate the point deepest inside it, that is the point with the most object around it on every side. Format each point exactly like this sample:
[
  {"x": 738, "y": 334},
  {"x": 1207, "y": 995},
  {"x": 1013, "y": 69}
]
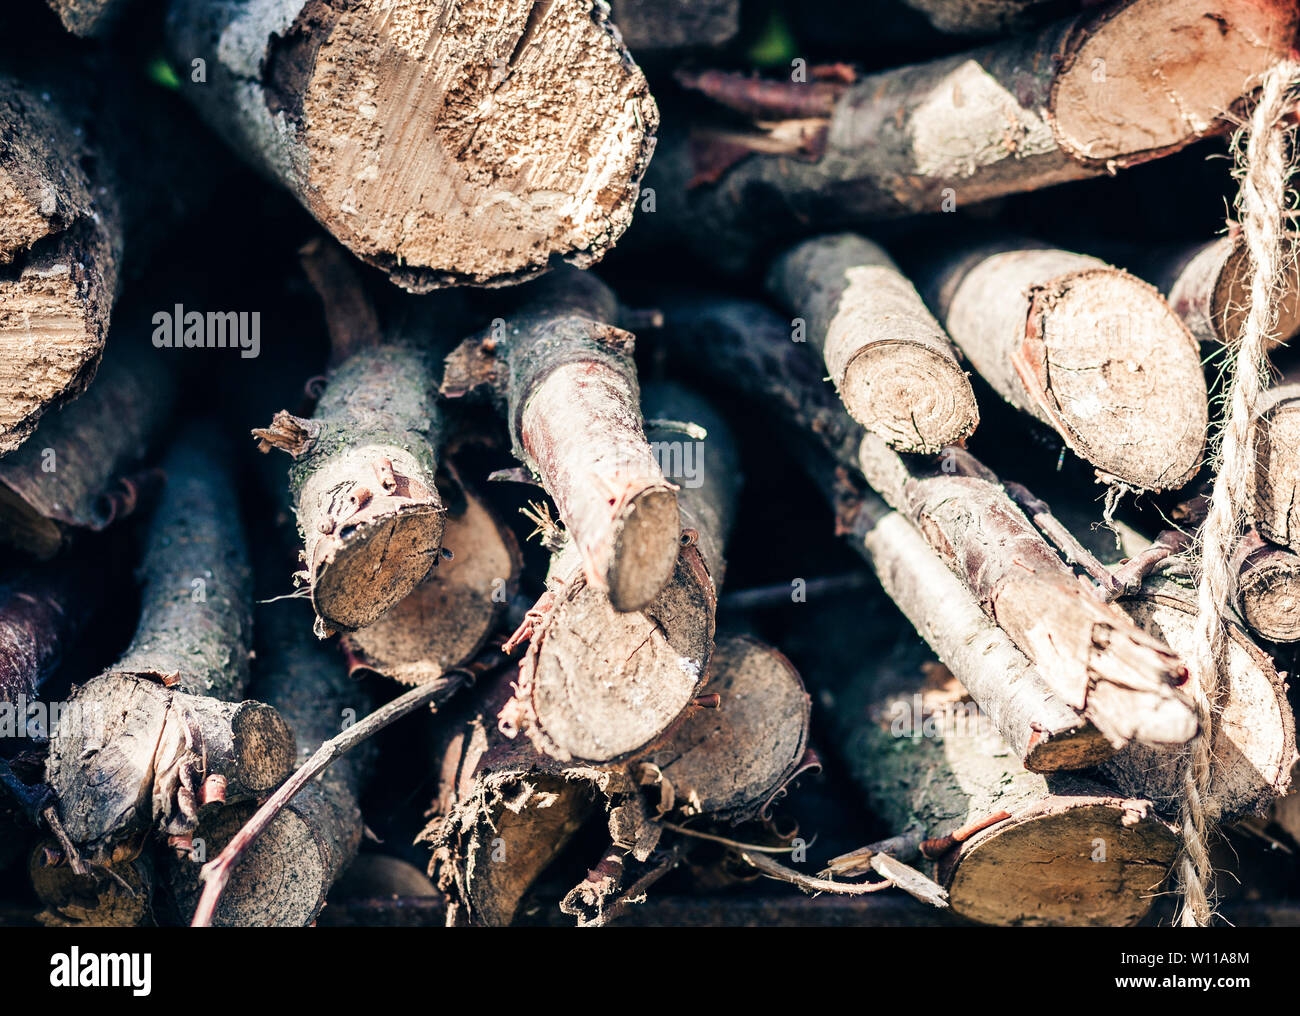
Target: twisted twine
[{"x": 1261, "y": 153}]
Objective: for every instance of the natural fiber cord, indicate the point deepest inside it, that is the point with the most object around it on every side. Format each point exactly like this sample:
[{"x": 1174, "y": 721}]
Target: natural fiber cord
[{"x": 1264, "y": 163}]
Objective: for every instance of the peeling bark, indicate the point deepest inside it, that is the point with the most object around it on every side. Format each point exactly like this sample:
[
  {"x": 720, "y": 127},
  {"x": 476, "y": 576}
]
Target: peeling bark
[
  {"x": 1086, "y": 349},
  {"x": 568, "y": 386},
  {"x": 1113, "y": 87},
  {"x": 435, "y": 140},
  {"x": 929, "y": 766},
  {"x": 1254, "y": 735},
  {"x": 597, "y": 684},
  {"x": 165, "y": 730},
  {"x": 892, "y": 364},
  {"x": 504, "y": 811},
  {"x": 119, "y": 896}
]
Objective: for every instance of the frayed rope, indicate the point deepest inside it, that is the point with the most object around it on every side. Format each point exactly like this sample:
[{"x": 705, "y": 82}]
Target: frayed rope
[{"x": 1264, "y": 164}]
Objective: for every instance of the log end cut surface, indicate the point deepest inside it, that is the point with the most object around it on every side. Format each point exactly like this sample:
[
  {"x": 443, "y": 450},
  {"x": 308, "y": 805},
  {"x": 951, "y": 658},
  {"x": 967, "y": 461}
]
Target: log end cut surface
[
  {"x": 1120, "y": 375},
  {"x": 733, "y": 759},
  {"x": 913, "y": 396},
  {"x": 1069, "y": 861},
  {"x": 1159, "y": 73},
  {"x": 451, "y": 613},
  {"x": 468, "y": 142},
  {"x": 643, "y": 559}
]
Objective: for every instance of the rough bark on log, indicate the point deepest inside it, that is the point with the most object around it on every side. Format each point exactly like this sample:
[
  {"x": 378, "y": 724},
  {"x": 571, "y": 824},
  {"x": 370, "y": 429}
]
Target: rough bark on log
[
  {"x": 504, "y": 811},
  {"x": 892, "y": 364},
  {"x": 597, "y": 684},
  {"x": 1254, "y": 735},
  {"x": 1110, "y": 88},
  {"x": 165, "y": 730},
  {"x": 1091, "y": 654},
  {"x": 447, "y": 619},
  {"x": 437, "y": 140},
  {"x": 989, "y": 17},
  {"x": 731, "y": 760},
  {"x": 1207, "y": 285},
  {"x": 1268, "y": 589},
  {"x": 648, "y": 25},
  {"x": 80, "y": 470},
  {"x": 748, "y": 346},
  {"x": 1087, "y": 349},
  {"x": 285, "y": 876},
  {"x": 1274, "y": 506},
  {"x": 569, "y": 389},
  {"x": 363, "y": 481},
  {"x": 88, "y": 18},
  {"x": 1069, "y": 852},
  {"x": 42, "y": 613}
]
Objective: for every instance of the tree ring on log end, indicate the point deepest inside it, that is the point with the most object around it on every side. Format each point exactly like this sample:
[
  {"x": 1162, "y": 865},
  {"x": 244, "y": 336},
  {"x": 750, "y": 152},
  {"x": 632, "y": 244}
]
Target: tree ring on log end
[
  {"x": 1069, "y": 860},
  {"x": 1135, "y": 82},
  {"x": 1119, "y": 374},
  {"x": 470, "y": 142}
]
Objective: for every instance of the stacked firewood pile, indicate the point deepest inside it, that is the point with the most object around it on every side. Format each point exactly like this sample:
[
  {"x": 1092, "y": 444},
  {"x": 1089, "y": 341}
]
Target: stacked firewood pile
[{"x": 434, "y": 363}]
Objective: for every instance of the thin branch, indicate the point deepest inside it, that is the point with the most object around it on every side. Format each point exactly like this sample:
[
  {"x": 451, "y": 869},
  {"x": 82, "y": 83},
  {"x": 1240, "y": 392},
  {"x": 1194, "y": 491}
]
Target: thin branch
[
  {"x": 807, "y": 883},
  {"x": 216, "y": 873}
]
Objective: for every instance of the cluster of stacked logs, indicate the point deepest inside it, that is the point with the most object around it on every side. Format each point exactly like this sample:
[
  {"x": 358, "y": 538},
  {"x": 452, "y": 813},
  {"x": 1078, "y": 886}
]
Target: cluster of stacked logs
[{"x": 466, "y": 163}]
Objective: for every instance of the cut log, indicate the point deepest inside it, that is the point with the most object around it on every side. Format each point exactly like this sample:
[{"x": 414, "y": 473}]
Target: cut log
[
  {"x": 892, "y": 364},
  {"x": 165, "y": 730},
  {"x": 60, "y": 248},
  {"x": 81, "y": 470},
  {"x": 731, "y": 760},
  {"x": 1091, "y": 654},
  {"x": 504, "y": 811},
  {"x": 1113, "y": 87},
  {"x": 1066, "y": 851},
  {"x": 43, "y": 611},
  {"x": 1268, "y": 589},
  {"x": 363, "y": 476},
  {"x": 597, "y": 684},
  {"x": 567, "y": 384},
  {"x": 1274, "y": 506},
  {"x": 748, "y": 347},
  {"x": 88, "y": 18},
  {"x": 449, "y": 616},
  {"x": 1087, "y": 349},
  {"x": 446, "y": 143},
  {"x": 94, "y": 173},
  {"x": 1207, "y": 286},
  {"x": 1254, "y": 736},
  {"x": 650, "y": 25},
  {"x": 990, "y": 17},
  {"x": 116, "y": 896},
  {"x": 284, "y": 877}
]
